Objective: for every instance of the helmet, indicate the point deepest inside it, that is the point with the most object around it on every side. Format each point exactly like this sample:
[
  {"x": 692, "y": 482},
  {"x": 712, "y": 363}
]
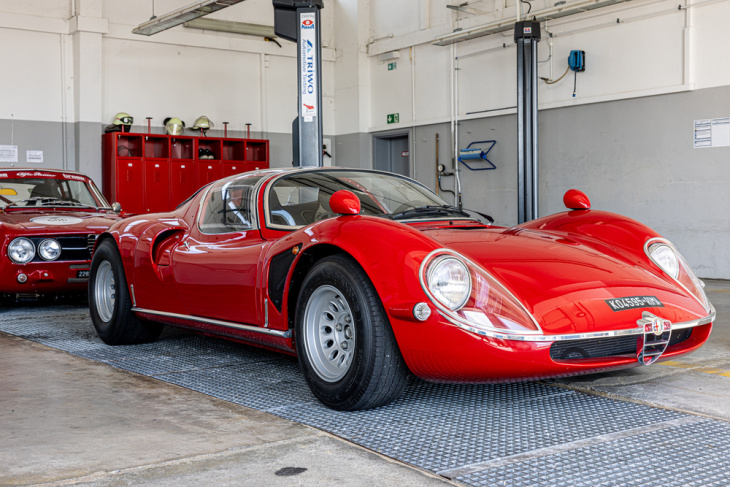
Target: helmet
[
  {"x": 202, "y": 123},
  {"x": 123, "y": 118},
  {"x": 174, "y": 125}
]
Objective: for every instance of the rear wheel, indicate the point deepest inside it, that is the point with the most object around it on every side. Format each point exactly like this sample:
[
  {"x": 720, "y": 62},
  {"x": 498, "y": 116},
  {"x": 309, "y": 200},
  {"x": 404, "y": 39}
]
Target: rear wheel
[
  {"x": 346, "y": 348},
  {"x": 109, "y": 303}
]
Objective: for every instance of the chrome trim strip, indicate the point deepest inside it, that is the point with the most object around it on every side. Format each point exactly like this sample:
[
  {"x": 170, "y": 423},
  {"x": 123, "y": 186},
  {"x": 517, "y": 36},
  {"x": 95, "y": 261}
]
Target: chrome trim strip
[
  {"x": 576, "y": 336},
  {"x": 134, "y": 299},
  {"x": 226, "y": 324}
]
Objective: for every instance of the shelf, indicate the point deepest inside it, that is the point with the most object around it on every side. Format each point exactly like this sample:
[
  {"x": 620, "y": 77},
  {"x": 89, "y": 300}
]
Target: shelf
[
  {"x": 156, "y": 147},
  {"x": 182, "y": 148}
]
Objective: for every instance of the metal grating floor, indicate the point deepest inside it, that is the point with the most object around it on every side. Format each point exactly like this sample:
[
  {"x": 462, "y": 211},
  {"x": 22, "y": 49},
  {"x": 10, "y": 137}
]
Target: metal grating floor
[{"x": 508, "y": 434}]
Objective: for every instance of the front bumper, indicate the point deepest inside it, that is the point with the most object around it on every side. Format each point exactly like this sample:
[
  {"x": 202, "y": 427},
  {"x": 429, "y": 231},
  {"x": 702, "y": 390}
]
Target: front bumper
[
  {"x": 438, "y": 351},
  {"x": 44, "y": 277}
]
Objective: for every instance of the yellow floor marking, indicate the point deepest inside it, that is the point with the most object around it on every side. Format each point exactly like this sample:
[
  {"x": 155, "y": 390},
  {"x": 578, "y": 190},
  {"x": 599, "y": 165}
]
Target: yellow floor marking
[{"x": 697, "y": 368}]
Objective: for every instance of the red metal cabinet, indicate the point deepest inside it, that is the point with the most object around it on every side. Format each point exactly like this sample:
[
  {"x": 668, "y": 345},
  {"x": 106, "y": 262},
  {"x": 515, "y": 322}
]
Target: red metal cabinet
[
  {"x": 156, "y": 172},
  {"x": 182, "y": 181}
]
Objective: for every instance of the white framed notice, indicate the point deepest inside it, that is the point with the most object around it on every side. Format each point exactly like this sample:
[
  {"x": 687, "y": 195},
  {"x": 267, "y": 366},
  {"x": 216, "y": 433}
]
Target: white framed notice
[
  {"x": 8, "y": 153},
  {"x": 34, "y": 156}
]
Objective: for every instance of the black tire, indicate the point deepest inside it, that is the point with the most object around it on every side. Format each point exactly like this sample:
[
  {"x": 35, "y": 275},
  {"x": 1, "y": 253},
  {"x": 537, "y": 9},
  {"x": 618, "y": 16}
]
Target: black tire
[
  {"x": 113, "y": 318},
  {"x": 374, "y": 373}
]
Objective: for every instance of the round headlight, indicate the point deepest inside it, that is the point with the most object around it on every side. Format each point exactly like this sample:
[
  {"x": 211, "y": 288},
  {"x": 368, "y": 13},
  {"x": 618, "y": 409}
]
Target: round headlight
[
  {"x": 49, "y": 249},
  {"x": 21, "y": 250},
  {"x": 665, "y": 257},
  {"x": 449, "y": 281}
]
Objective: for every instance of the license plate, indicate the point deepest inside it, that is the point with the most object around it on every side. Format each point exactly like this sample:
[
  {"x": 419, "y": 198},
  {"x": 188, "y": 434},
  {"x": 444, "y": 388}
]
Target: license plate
[{"x": 82, "y": 274}]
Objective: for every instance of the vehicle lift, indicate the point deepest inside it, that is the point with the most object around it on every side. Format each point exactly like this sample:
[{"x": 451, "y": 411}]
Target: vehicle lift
[
  {"x": 299, "y": 21},
  {"x": 527, "y": 35}
]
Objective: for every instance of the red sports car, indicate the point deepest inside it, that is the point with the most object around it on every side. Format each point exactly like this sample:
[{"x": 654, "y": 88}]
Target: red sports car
[
  {"x": 48, "y": 223},
  {"x": 368, "y": 276}
]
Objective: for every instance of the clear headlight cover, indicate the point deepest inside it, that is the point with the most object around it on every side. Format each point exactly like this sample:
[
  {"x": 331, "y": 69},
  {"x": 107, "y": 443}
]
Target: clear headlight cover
[
  {"x": 21, "y": 250},
  {"x": 488, "y": 307},
  {"x": 669, "y": 260},
  {"x": 49, "y": 249},
  {"x": 449, "y": 281}
]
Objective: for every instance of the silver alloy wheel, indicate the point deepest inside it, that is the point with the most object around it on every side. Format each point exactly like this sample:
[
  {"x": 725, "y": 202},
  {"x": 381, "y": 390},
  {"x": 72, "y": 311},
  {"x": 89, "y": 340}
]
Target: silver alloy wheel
[
  {"x": 329, "y": 333},
  {"x": 105, "y": 294}
]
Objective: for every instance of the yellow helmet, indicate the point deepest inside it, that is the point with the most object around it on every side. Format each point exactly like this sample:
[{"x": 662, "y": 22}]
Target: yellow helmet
[
  {"x": 174, "y": 125},
  {"x": 203, "y": 123},
  {"x": 123, "y": 118}
]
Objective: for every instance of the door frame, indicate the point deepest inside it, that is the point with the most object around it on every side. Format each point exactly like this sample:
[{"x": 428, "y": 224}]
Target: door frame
[{"x": 392, "y": 134}]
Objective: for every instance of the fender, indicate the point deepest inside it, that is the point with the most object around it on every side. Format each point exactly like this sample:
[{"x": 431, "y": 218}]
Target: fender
[
  {"x": 613, "y": 234},
  {"x": 389, "y": 252}
]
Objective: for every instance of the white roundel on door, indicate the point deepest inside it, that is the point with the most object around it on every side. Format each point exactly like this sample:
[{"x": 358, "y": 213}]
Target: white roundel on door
[{"x": 56, "y": 220}]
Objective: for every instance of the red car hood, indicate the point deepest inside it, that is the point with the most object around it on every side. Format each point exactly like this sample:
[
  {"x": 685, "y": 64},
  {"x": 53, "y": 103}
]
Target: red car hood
[
  {"x": 55, "y": 222},
  {"x": 565, "y": 284}
]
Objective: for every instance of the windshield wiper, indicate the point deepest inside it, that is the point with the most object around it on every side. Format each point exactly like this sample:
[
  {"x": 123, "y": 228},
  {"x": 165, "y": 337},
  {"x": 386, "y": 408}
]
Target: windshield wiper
[{"x": 428, "y": 210}]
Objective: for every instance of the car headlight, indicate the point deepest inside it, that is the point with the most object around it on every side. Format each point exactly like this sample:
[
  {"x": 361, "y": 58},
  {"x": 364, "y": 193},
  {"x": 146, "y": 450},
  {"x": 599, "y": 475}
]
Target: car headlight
[
  {"x": 665, "y": 257},
  {"x": 49, "y": 249},
  {"x": 449, "y": 281},
  {"x": 669, "y": 260},
  {"x": 471, "y": 298},
  {"x": 21, "y": 250}
]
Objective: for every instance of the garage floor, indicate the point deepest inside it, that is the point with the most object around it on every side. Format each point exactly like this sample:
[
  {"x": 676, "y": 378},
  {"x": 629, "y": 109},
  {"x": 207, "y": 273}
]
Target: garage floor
[{"x": 193, "y": 410}]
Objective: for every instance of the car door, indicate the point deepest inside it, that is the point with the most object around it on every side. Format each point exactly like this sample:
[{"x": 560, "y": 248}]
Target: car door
[{"x": 215, "y": 265}]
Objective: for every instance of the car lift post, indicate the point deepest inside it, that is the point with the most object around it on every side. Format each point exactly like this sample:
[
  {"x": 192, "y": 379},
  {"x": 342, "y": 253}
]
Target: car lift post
[
  {"x": 527, "y": 35},
  {"x": 299, "y": 21}
]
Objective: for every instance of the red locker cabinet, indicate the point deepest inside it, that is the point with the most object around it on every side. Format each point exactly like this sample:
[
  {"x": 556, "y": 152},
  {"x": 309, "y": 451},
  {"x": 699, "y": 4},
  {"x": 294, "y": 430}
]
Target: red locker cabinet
[{"x": 156, "y": 172}]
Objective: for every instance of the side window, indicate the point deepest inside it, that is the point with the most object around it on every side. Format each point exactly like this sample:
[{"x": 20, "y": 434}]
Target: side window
[{"x": 228, "y": 208}]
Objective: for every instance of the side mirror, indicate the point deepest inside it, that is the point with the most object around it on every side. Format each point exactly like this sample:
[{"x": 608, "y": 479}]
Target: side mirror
[
  {"x": 345, "y": 202},
  {"x": 575, "y": 199},
  {"x": 116, "y": 207}
]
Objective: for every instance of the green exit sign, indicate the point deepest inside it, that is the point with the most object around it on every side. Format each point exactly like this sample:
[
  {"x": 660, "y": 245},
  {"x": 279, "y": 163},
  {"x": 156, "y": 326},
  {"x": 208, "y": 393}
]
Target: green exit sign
[
  {"x": 392, "y": 66},
  {"x": 394, "y": 118}
]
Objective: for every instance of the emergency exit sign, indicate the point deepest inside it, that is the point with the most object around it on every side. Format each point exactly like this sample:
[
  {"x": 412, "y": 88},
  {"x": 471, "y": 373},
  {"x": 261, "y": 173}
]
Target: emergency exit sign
[
  {"x": 394, "y": 118},
  {"x": 392, "y": 66}
]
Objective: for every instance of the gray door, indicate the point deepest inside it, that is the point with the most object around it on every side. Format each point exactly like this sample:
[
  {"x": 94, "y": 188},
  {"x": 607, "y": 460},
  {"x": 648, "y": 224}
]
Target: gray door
[{"x": 392, "y": 154}]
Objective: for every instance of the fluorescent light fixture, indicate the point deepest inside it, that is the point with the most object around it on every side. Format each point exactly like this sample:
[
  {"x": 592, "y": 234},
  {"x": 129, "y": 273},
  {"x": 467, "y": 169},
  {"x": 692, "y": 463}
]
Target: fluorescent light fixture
[
  {"x": 232, "y": 27},
  {"x": 185, "y": 14},
  {"x": 559, "y": 10}
]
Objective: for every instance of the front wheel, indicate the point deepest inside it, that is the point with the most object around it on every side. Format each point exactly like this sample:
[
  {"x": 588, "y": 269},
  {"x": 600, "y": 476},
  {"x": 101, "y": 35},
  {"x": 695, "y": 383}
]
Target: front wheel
[
  {"x": 109, "y": 303},
  {"x": 344, "y": 342}
]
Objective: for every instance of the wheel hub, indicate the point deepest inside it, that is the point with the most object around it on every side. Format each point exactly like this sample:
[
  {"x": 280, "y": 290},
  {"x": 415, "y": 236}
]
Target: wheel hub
[{"x": 329, "y": 334}]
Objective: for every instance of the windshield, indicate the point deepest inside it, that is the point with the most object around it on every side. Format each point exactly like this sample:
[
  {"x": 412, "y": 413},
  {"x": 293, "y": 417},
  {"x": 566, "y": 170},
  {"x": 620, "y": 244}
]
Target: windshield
[
  {"x": 303, "y": 198},
  {"x": 35, "y": 192}
]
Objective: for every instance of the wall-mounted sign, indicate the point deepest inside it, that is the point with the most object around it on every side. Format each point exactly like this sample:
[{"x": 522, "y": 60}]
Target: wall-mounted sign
[
  {"x": 392, "y": 66},
  {"x": 34, "y": 156},
  {"x": 8, "y": 153},
  {"x": 405, "y": 153},
  {"x": 712, "y": 133},
  {"x": 394, "y": 118}
]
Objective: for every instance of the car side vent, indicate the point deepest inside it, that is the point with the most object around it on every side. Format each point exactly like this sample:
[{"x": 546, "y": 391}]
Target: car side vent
[
  {"x": 90, "y": 241},
  {"x": 278, "y": 270}
]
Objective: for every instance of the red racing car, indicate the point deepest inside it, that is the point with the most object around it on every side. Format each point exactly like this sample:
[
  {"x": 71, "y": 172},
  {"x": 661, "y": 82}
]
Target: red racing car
[
  {"x": 49, "y": 220},
  {"x": 368, "y": 276}
]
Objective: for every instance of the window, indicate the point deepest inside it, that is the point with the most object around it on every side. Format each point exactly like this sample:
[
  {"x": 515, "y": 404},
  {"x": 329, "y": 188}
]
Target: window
[{"x": 229, "y": 207}]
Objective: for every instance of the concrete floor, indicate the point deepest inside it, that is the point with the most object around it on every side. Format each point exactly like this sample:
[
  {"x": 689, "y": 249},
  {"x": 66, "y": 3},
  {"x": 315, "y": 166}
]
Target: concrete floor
[{"x": 65, "y": 420}]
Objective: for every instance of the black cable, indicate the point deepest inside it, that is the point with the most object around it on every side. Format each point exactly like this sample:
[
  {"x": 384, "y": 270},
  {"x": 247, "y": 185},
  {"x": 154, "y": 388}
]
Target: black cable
[{"x": 529, "y": 5}]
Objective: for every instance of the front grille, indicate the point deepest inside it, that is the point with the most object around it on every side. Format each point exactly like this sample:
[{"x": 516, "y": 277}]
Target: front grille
[
  {"x": 565, "y": 351},
  {"x": 73, "y": 247},
  {"x": 594, "y": 348}
]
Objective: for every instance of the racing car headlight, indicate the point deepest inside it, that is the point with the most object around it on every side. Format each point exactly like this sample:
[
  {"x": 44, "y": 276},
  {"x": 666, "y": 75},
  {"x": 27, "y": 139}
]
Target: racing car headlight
[
  {"x": 21, "y": 250},
  {"x": 468, "y": 296},
  {"x": 49, "y": 249},
  {"x": 665, "y": 257},
  {"x": 449, "y": 281},
  {"x": 669, "y": 260}
]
